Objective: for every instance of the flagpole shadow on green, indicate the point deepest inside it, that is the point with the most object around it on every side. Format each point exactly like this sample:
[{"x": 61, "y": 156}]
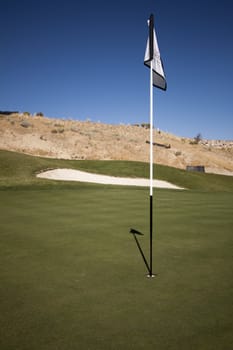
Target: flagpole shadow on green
[{"x": 134, "y": 233}]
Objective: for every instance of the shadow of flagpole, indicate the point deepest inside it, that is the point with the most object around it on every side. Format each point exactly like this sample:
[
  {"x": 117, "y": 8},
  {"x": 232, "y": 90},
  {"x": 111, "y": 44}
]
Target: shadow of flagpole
[{"x": 134, "y": 233}]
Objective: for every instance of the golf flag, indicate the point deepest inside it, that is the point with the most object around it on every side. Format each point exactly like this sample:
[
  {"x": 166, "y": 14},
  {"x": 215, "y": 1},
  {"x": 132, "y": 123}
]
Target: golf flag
[{"x": 152, "y": 57}]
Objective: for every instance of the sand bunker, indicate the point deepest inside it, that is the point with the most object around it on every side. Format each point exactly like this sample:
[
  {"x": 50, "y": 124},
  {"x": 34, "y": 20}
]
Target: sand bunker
[{"x": 82, "y": 176}]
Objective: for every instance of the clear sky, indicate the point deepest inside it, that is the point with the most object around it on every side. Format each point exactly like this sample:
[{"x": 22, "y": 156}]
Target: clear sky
[{"x": 83, "y": 59}]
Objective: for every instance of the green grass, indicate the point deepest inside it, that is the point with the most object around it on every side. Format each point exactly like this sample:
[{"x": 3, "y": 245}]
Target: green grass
[
  {"x": 72, "y": 277},
  {"x": 20, "y": 169}
]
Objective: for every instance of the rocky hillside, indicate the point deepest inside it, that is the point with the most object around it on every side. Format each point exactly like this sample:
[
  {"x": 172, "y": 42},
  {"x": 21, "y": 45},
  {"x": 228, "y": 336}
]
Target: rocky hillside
[{"x": 69, "y": 139}]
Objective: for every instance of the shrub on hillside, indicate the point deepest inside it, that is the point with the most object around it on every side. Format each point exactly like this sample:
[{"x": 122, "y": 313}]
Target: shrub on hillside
[
  {"x": 145, "y": 125},
  {"x": 196, "y": 139},
  {"x": 25, "y": 124},
  {"x": 57, "y": 131},
  {"x": 178, "y": 153}
]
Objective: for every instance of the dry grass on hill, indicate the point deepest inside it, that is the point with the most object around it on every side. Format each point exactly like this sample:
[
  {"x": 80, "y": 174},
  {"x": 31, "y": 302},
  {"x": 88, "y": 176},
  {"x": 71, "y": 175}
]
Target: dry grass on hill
[{"x": 69, "y": 139}]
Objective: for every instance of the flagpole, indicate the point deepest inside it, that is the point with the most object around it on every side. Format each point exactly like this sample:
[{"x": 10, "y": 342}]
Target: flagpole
[
  {"x": 157, "y": 78},
  {"x": 151, "y": 168}
]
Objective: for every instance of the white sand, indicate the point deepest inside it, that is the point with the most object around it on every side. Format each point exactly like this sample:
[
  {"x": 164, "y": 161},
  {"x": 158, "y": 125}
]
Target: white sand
[{"x": 82, "y": 176}]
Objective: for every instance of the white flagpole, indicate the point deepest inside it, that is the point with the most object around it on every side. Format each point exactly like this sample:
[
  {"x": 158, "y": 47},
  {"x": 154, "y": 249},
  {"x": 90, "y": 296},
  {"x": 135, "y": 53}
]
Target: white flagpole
[
  {"x": 151, "y": 165},
  {"x": 151, "y": 129}
]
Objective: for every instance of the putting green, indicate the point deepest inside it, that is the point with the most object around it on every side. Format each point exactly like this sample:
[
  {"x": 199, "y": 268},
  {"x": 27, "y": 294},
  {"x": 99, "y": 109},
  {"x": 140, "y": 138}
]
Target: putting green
[
  {"x": 72, "y": 277},
  {"x": 71, "y": 274}
]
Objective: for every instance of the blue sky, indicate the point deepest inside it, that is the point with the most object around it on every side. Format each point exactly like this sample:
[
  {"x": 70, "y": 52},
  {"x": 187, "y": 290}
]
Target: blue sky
[{"x": 84, "y": 59}]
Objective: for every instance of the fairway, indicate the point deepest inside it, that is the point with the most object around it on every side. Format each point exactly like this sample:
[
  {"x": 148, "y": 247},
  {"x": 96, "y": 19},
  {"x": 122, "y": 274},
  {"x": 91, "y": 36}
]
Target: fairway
[{"x": 72, "y": 278}]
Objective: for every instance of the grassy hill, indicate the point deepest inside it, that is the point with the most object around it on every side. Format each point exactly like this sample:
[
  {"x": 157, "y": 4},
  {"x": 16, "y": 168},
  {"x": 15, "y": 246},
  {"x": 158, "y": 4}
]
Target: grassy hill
[{"x": 18, "y": 169}]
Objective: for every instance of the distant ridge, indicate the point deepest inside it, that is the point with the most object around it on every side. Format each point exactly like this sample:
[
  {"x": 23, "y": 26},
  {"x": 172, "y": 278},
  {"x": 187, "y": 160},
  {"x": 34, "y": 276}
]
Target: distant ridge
[{"x": 85, "y": 140}]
